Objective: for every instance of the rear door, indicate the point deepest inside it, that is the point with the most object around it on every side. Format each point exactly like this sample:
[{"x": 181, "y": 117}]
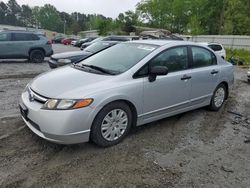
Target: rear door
[
  {"x": 205, "y": 74},
  {"x": 5, "y": 45},
  {"x": 23, "y": 42}
]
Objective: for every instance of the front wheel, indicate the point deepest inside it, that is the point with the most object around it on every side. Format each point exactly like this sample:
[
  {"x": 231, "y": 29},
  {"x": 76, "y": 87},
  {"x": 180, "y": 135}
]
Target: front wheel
[
  {"x": 218, "y": 98},
  {"x": 36, "y": 56},
  {"x": 112, "y": 124}
]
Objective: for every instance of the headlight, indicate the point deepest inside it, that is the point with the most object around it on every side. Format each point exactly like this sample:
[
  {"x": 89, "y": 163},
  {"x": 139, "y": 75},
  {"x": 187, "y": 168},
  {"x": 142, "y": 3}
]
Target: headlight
[
  {"x": 66, "y": 104},
  {"x": 66, "y": 61}
]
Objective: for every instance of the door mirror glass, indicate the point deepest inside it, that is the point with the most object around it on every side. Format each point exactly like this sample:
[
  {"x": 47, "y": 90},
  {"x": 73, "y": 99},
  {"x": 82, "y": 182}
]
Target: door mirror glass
[{"x": 157, "y": 71}]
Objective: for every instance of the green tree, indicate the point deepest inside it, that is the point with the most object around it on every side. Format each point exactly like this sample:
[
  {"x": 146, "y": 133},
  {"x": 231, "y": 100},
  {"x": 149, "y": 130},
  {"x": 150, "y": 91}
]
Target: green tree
[
  {"x": 3, "y": 12},
  {"x": 13, "y": 12},
  {"x": 237, "y": 15},
  {"x": 49, "y": 18},
  {"x": 26, "y": 16}
]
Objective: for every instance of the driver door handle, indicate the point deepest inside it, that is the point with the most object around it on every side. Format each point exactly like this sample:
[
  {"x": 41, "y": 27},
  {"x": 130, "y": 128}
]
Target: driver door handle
[
  {"x": 214, "y": 72},
  {"x": 186, "y": 77}
]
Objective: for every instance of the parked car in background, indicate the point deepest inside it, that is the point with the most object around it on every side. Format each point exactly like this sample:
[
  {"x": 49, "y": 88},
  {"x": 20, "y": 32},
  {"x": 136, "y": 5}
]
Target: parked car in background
[
  {"x": 24, "y": 45},
  {"x": 86, "y": 44},
  {"x": 217, "y": 48},
  {"x": 129, "y": 84},
  {"x": 73, "y": 42},
  {"x": 57, "y": 39},
  {"x": 110, "y": 38},
  {"x": 61, "y": 59},
  {"x": 67, "y": 41},
  {"x": 81, "y": 41}
]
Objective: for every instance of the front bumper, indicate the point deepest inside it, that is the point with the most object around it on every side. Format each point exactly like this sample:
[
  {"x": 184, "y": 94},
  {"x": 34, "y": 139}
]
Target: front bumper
[
  {"x": 51, "y": 52},
  {"x": 59, "y": 126},
  {"x": 52, "y": 64}
]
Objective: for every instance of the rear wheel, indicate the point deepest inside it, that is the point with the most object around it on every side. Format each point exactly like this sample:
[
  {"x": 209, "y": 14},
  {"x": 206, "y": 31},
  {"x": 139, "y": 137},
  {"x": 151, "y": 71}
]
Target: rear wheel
[
  {"x": 112, "y": 124},
  {"x": 218, "y": 98},
  {"x": 36, "y": 56}
]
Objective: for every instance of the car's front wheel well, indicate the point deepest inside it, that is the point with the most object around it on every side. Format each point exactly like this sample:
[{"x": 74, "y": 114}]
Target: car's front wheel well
[
  {"x": 40, "y": 49},
  {"x": 132, "y": 108}
]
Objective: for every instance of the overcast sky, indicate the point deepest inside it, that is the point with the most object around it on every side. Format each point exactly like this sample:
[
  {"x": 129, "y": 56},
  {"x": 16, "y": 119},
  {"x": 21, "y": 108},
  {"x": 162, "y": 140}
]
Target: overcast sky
[{"x": 108, "y": 8}]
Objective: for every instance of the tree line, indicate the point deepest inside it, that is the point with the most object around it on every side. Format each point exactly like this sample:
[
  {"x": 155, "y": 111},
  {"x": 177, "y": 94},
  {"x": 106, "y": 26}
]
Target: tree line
[{"x": 178, "y": 16}]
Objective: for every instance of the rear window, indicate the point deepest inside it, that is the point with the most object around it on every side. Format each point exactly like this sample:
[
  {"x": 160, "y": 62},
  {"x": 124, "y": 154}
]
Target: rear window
[{"x": 215, "y": 47}]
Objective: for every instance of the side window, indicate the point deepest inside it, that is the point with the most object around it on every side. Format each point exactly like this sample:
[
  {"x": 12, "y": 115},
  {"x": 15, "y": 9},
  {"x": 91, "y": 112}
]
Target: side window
[
  {"x": 34, "y": 37},
  {"x": 5, "y": 37},
  {"x": 20, "y": 37},
  {"x": 202, "y": 57},
  {"x": 175, "y": 59}
]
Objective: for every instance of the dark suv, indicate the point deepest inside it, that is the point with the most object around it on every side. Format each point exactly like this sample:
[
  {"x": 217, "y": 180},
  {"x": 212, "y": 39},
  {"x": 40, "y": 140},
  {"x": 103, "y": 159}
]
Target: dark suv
[{"x": 23, "y": 44}]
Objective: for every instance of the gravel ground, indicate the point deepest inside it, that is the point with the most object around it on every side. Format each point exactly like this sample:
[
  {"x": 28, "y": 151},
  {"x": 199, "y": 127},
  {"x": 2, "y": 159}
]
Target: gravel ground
[{"x": 195, "y": 149}]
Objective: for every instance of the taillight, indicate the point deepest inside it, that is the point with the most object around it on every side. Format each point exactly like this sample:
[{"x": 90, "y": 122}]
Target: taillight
[{"x": 49, "y": 42}]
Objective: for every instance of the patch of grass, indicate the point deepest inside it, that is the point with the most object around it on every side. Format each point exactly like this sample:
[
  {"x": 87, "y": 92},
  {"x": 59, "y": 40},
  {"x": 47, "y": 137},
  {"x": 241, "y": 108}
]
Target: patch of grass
[{"x": 240, "y": 54}]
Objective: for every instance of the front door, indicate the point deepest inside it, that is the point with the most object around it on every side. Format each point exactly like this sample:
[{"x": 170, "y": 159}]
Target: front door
[
  {"x": 5, "y": 45},
  {"x": 168, "y": 93}
]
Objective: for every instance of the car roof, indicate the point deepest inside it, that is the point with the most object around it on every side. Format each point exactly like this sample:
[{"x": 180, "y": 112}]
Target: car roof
[
  {"x": 109, "y": 42},
  {"x": 162, "y": 42},
  {"x": 209, "y": 43},
  {"x": 19, "y": 31}
]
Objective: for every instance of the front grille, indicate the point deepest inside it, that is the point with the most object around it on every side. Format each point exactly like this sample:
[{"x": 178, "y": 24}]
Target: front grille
[
  {"x": 53, "y": 59},
  {"x": 33, "y": 96}
]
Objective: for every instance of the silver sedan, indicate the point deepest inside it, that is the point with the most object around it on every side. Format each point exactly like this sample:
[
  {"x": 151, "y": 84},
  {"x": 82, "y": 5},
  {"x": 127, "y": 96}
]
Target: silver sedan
[{"x": 130, "y": 84}]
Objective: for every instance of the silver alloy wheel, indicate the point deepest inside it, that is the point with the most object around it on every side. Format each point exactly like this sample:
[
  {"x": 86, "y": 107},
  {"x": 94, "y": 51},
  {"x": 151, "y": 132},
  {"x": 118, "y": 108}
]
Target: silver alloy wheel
[
  {"x": 114, "y": 124},
  {"x": 219, "y": 97}
]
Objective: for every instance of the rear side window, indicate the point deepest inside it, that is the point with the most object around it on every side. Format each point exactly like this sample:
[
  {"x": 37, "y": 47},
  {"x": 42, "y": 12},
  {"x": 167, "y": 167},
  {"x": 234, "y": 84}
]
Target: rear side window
[
  {"x": 175, "y": 59},
  {"x": 5, "y": 37},
  {"x": 215, "y": 47},
  {"x": 24, "y": 37},
  {"x": 202, "y": 57},
  {"x": 35, "y": 37}
]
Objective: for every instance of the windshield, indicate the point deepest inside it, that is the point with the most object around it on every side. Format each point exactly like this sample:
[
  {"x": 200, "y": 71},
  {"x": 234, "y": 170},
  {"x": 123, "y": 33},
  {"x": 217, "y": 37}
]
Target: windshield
[
  {"x": 120, "y": 57},
  {"x": 98, "y": 46}
]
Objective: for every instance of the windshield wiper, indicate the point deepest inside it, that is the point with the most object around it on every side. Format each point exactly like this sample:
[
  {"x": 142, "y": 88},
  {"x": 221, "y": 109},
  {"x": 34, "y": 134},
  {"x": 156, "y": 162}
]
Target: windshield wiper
[{"x": 99, "y": 69}]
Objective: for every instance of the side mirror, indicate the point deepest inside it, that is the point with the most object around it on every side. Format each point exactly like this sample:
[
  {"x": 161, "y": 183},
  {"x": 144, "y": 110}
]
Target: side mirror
[{"x": 157, "y": 71}]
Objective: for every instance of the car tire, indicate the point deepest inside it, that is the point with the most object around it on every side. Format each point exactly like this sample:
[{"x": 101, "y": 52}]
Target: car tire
[
  {"x": 111, "y": 124},
  {"x": 36, "y": 56},
  {"x": 218, "y": 97}
]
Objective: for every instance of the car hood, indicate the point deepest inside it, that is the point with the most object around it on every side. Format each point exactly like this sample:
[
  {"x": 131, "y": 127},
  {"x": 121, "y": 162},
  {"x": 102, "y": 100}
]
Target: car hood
[
  {"x": 68, "y": 82},
  {"x": 68, "y": 55}
]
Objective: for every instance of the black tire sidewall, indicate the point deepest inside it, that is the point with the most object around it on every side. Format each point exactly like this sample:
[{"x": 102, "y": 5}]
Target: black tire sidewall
[
  {"x": 34, "y": 53},
  {"x": 212, "y": 106},
  {"x": 96, "y": 135}
]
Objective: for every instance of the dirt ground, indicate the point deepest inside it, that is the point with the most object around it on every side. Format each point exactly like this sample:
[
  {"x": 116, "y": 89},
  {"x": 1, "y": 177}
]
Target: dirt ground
[{"x": 195, "y": 149}]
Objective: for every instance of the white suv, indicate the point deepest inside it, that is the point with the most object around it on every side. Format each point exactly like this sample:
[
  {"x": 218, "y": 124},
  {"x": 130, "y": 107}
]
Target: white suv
[{"x": 216, "y": 47}]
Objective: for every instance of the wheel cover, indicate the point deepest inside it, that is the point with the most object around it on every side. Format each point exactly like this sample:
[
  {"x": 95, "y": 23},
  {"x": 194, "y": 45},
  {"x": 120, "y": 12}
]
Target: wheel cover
[
  {"x": 219, "y": 97},
  {"x": 37, "y": 57},
  {"x": 114, "y": 124}
]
